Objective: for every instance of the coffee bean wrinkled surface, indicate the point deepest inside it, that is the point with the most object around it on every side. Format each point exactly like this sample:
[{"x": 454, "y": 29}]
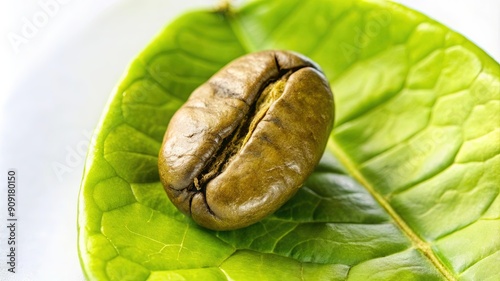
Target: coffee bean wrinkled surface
[{"x": 246, "y": 140}]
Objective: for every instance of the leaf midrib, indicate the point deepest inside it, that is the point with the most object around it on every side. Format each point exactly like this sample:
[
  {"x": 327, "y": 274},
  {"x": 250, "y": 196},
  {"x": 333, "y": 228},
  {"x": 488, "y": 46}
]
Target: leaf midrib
[{"x": 418, "y": 243}]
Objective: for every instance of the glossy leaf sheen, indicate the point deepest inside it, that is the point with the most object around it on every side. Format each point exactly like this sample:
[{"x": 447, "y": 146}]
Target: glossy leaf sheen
[{"x": 412, "y": 192}]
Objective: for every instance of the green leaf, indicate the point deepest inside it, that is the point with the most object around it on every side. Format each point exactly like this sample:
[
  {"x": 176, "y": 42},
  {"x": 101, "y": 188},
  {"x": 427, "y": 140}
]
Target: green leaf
[{"x": 408, "y": 188}]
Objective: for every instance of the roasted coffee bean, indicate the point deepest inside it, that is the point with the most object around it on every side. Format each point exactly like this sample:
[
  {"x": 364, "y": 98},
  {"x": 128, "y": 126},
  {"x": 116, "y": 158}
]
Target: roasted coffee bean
[{"x": 246, "y": 140}]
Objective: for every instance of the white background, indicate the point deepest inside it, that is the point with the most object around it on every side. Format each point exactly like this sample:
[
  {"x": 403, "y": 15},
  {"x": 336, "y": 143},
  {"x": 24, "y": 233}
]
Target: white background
[{"x": 53, "y": 88}]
